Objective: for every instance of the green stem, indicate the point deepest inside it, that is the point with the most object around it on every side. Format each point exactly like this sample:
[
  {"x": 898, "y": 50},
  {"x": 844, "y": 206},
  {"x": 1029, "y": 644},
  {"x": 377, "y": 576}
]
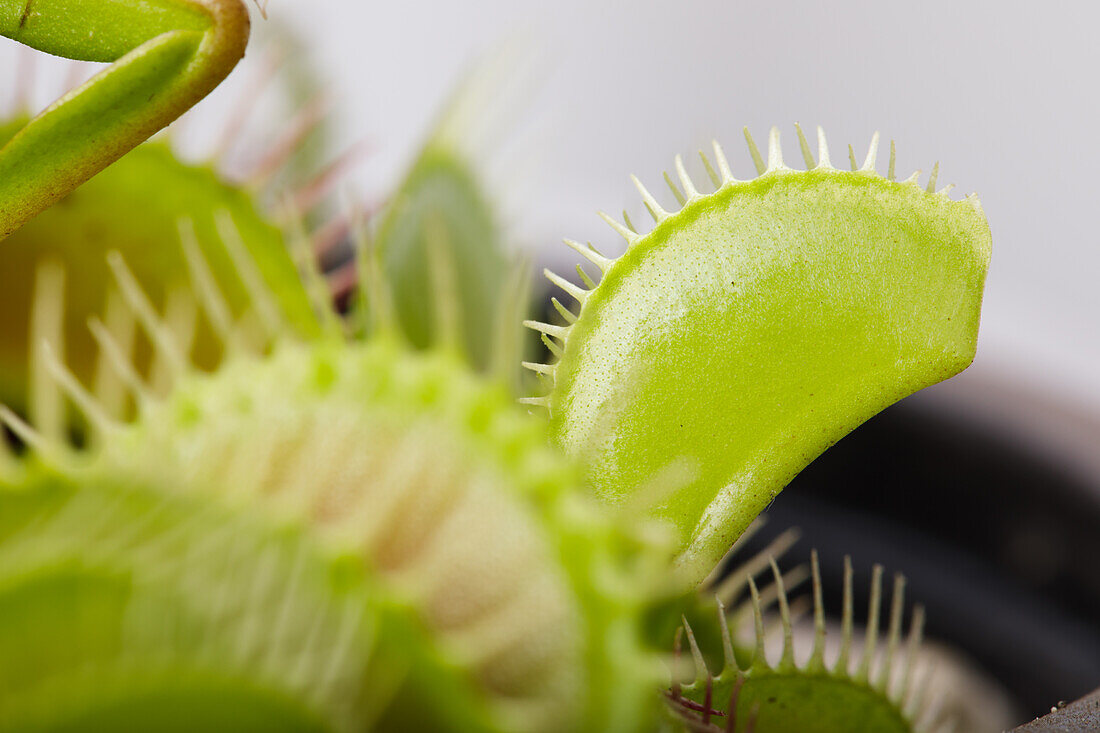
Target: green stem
[{"x": 167, "y": 54}]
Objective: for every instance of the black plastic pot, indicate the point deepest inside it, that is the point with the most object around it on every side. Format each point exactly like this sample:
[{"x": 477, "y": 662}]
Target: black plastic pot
[{"x": 987, "y": 499}]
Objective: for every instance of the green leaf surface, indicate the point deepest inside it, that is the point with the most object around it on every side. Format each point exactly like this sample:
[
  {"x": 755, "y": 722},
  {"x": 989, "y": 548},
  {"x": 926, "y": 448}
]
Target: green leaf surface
[
  {"x": 440, "y": 218},
  {"x": 751, "y": 330}
]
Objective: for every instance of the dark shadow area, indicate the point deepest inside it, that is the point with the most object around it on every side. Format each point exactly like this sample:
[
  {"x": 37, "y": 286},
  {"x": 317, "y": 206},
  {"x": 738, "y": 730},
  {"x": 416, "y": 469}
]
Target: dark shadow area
[{"x": 997, "y": 541}]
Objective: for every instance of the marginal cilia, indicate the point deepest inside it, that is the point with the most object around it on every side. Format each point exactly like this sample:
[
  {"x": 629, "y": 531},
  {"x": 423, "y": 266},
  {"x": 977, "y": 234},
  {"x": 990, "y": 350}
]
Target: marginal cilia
[
  {"x": 501, "y": 597},
  {"x": 874, "y": 690},
  {"x": 749, "y": 331},
  {"x": 315, "y": 531}
]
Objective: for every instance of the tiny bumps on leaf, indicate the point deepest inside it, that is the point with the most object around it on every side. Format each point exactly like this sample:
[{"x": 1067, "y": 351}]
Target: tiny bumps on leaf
[{"x": 757, "y": 325}]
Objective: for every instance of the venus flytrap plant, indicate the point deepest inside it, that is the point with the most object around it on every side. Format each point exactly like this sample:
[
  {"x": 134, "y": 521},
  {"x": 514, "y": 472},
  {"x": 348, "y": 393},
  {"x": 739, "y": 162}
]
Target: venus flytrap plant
[
  {"x": 855, "y": 691},
  {"x": 72, "y": 238},
  {"x": 145, "y": 199},
  {"x": 506, "y": 599},
  {"x": 754, "y": 327},
  {"x": 740, "y": 337},
  {"x": 435, "y": 564}
]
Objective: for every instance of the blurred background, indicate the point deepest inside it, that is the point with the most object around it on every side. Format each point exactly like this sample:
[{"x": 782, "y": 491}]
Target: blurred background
[
  {"x": 985, "y": 490},
  {"x": 1002, "y": 94}
]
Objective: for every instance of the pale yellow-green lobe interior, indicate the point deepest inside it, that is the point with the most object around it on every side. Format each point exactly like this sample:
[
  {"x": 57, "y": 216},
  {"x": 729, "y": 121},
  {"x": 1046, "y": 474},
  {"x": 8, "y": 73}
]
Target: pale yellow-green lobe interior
[
  {"x": 754, "y": 329},
  {"x": 135, "y": 208},
  {"x": 438, "y": 517}
]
